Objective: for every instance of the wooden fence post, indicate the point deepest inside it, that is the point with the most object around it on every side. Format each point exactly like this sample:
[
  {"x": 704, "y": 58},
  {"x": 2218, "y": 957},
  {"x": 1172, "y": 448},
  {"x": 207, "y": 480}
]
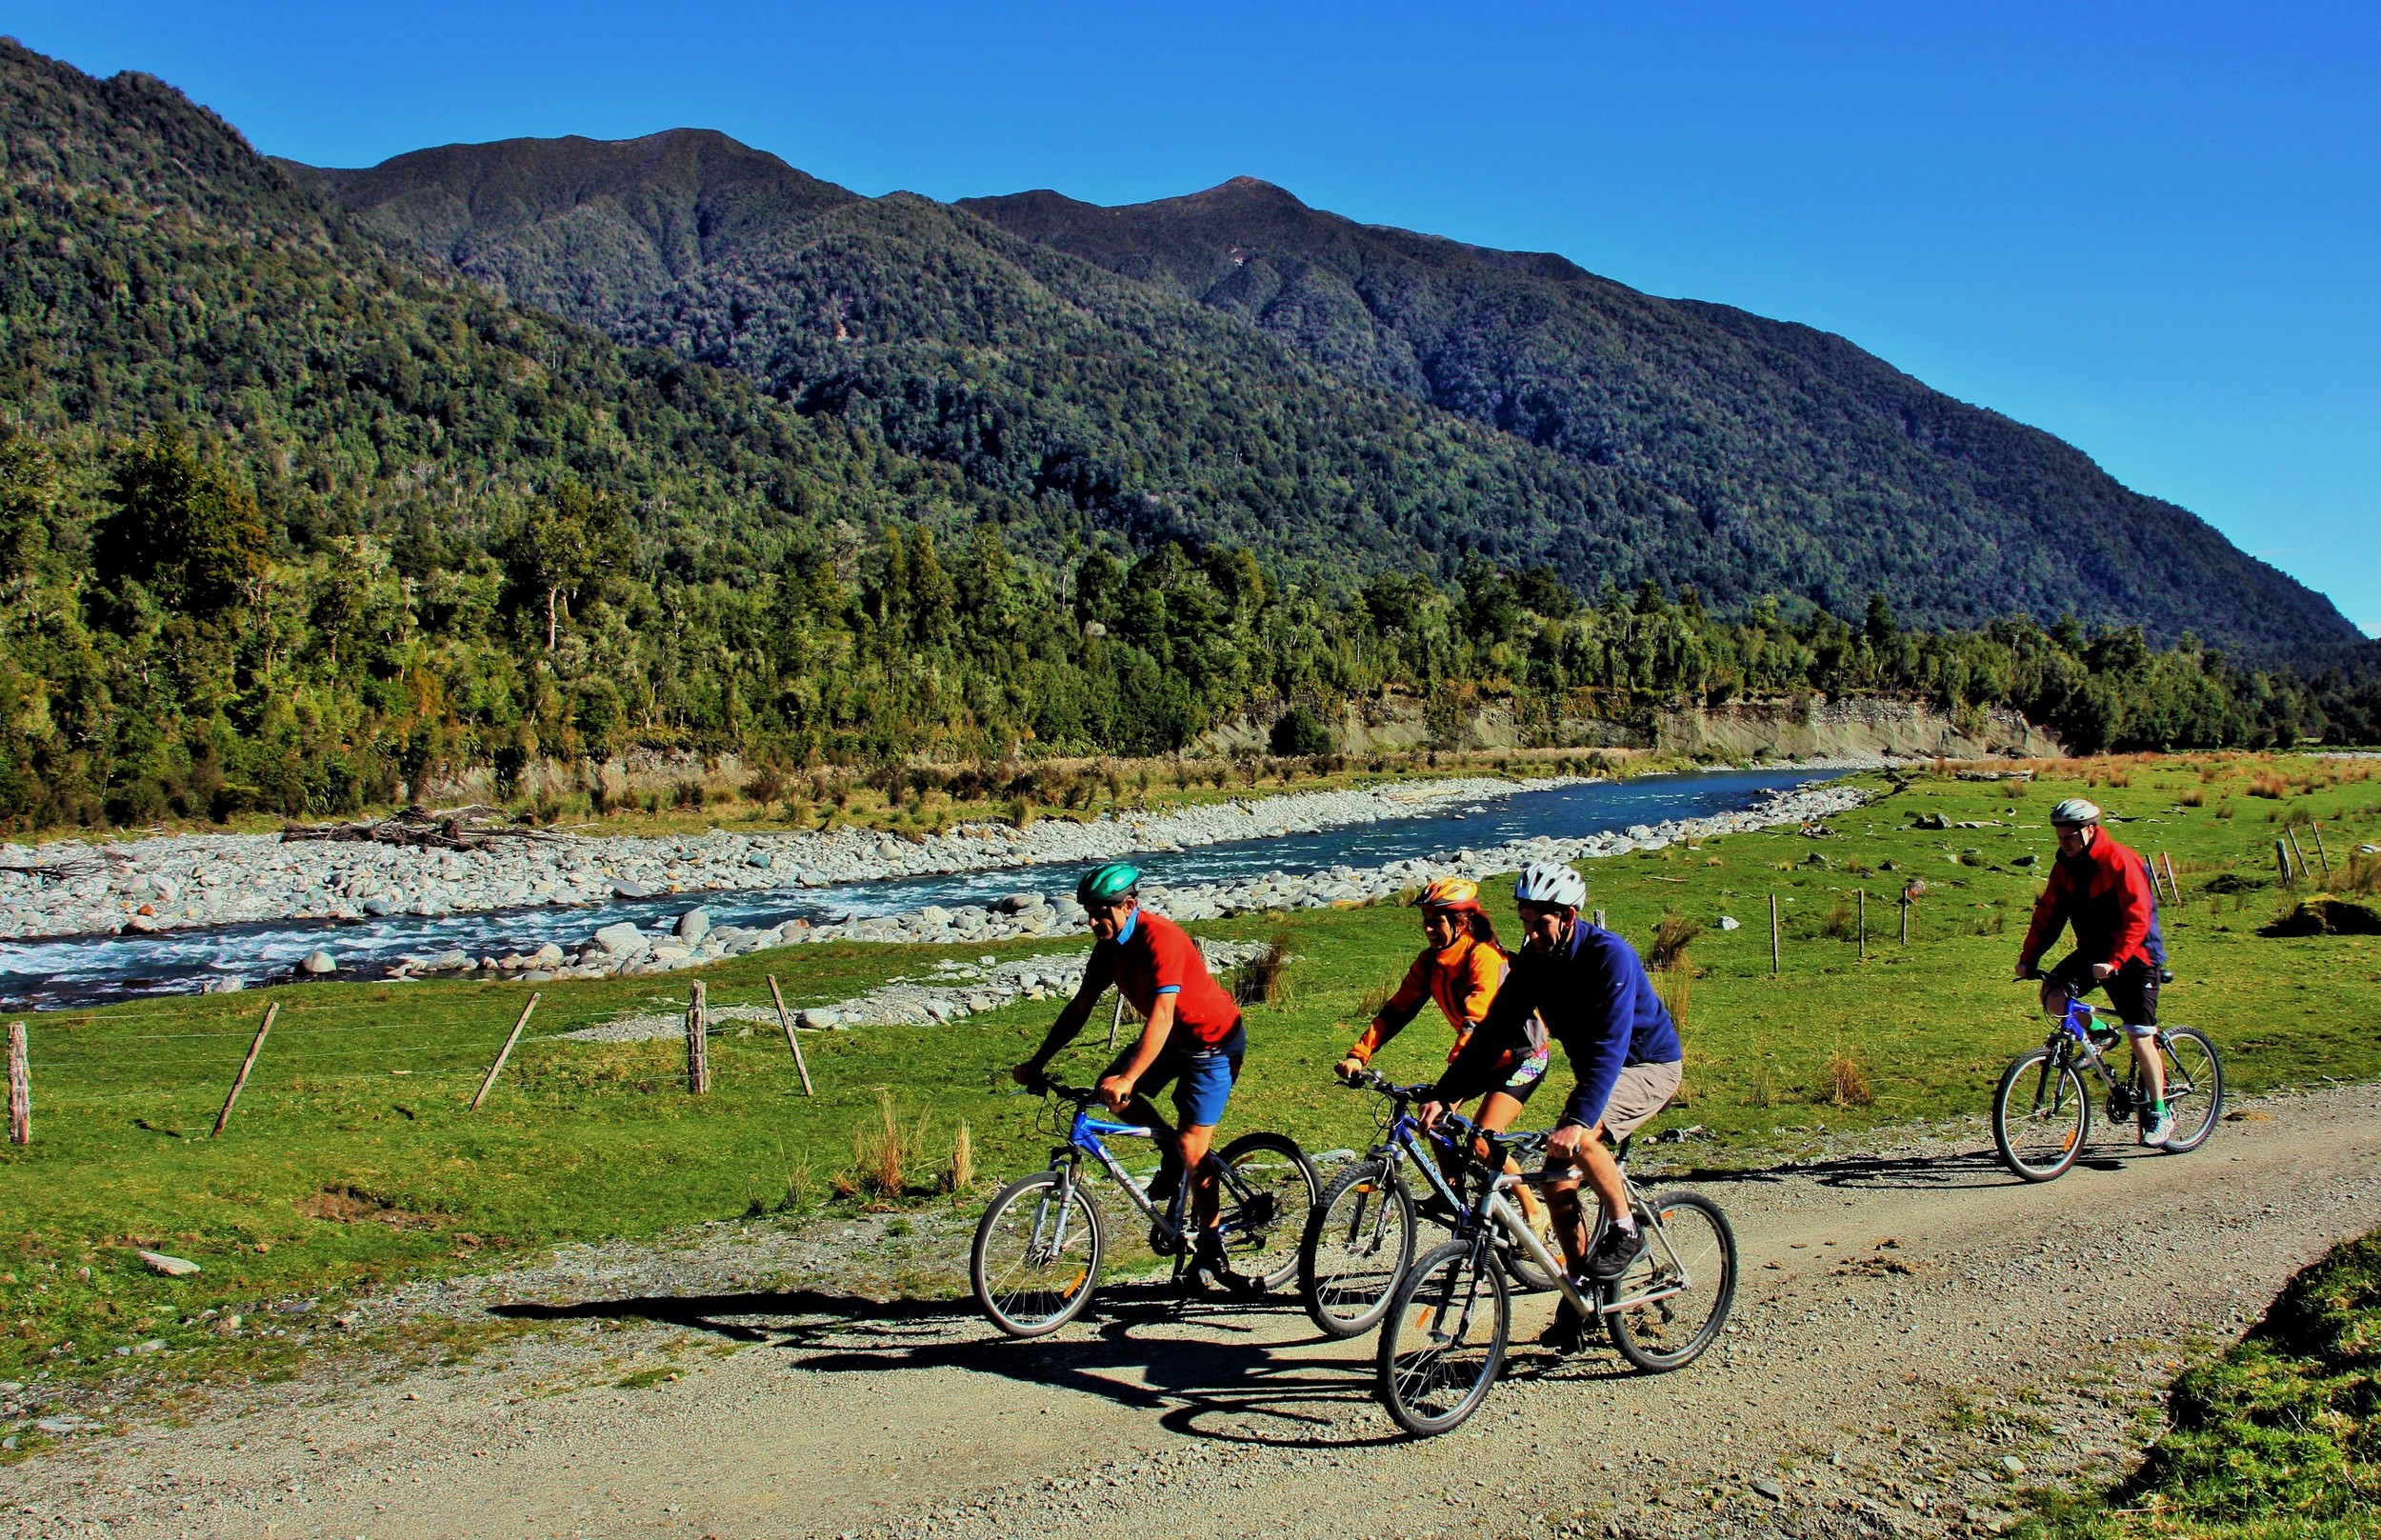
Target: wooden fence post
[
  {"x": 246, "y": 1065},
  {"x": 2282, "y": 860},
  {"x": 2298, "y": 857},
  {"x": 1864, "y": 924},
  {"x": 2316, "y": 829},
  {"x": 2172, "y": 885},
  {"x": 1773, "y": 951},
  {"x": 698, "y": 1055},
  {"x": 502, "y": 1054},
  {"x": 1905, "y": 916},
  {"x": 20, "y": 1088},
  {"x": 1599, "y": 921},
  {"x": 785, "y": 1020}
]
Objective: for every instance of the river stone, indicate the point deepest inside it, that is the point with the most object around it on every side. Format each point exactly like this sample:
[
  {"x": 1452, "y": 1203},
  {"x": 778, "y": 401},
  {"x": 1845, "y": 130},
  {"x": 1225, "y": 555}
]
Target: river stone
[
  {"x": 1730, "y": 922},
  {"x": 379, "y": 908},
  {"x": 1017, "y": 902},
  {"x": 172, "y": 1267},
  {"x": 629, "y": 891},
  {"x": 620, "y": 940},
  {"x": 547, "y": 955},
  {"x": 693, "y": 925},
  {"x": 318, "y": 961},
  {"x": 140, "y": 924},
  {"x": 757, "y": 858},
  {"x": 818, "y": 1018}
]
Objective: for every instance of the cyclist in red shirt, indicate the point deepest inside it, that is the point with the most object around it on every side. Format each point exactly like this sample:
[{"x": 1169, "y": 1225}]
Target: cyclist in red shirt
[
  {"x": 2102, "y": 889},
  {"x": 1190, "y": 1037}
]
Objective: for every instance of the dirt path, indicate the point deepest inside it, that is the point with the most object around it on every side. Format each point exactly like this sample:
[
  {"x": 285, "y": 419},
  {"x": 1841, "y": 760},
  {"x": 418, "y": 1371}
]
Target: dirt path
[{"x": 1853, "y": 1398}]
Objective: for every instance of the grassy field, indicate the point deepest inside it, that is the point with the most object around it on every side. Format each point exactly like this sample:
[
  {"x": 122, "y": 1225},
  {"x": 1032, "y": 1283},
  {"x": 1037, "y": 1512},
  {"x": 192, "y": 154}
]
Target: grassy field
[{"x": 352, "y": 1162}]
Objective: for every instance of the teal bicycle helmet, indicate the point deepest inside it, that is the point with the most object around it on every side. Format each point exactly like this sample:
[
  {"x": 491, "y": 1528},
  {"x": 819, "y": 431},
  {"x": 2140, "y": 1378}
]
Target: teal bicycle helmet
[{"x": 1111, "y": 884}]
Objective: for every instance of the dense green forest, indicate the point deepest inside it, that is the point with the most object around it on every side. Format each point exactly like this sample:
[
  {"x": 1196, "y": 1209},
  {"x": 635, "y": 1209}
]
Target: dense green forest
[
  {"x": 288, "y": 518},
  {"x": 1235, "y": 367}
]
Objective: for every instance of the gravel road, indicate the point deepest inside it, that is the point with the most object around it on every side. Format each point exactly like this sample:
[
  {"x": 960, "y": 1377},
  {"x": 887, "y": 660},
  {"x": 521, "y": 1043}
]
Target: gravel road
[{"x": 1888, "y": 1374}]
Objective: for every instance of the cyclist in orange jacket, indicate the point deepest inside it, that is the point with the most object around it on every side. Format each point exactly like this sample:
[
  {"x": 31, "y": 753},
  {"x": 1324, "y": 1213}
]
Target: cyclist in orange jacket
[{"x": 1460, "y": 968}]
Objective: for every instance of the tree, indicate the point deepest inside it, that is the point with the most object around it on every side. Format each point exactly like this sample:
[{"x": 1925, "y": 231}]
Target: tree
[
  {"x": 1300, "y": 731},
  {"x": 560, "y": 545},
  {"x": 183, "y": 529}
]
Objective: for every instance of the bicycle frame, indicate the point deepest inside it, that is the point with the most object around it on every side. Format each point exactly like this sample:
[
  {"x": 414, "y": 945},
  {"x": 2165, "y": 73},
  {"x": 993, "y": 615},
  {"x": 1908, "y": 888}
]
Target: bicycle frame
[
  {"x": 2071, "y": 1042},
  {"x": 1083, "y": 1138}
]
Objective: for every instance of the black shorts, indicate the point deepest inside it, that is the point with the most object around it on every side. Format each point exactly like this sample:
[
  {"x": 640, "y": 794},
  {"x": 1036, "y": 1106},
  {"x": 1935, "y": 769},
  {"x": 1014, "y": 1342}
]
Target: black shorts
[{"x": 2133, "y": 989}]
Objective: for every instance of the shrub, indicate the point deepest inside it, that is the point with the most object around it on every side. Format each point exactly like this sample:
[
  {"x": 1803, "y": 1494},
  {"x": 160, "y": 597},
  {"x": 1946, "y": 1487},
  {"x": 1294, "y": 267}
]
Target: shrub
[
  {"x": 1838, "y": 923},
  {"x": 1847, "y": 1082},
  {"x": 1265, "y": 978},
  {"x": 884, "y": 1151},
  {"x": 959, "y": 1171},
  {"x": 1672, "y": 935},
  {"x": 2272, "y": 787},
  {"x": 2192, "y": 797},
  {"x": 1300, "y": 732}
]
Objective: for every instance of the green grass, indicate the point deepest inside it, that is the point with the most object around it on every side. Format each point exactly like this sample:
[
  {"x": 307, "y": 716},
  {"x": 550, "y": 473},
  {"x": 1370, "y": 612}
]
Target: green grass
[
  {"x": 2279, "y": 1438},
  {"x": 361, "y": 1090}
]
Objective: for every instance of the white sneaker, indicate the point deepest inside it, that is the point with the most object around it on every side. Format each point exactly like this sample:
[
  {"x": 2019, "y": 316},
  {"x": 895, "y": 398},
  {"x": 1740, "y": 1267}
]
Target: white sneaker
[{"x": 2159, "y": 1128}]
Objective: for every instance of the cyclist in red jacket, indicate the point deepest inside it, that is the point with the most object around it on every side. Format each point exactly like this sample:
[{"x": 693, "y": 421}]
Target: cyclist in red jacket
[{"x": 2102, "y": 889}]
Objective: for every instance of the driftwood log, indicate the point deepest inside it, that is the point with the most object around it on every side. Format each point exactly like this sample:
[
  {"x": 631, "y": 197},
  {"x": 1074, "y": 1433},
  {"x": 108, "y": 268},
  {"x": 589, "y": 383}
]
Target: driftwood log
[{"x": 451, "y": 828}]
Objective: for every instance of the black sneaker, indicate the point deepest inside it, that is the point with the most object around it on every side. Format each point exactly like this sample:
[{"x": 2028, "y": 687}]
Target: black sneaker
[
  {"x": 1165, "y": 1184},
  {"x": 1567, "y": 1333},
  {"x": 1615, "y": 1253},
  {"x": 1207, "y": 1255}
]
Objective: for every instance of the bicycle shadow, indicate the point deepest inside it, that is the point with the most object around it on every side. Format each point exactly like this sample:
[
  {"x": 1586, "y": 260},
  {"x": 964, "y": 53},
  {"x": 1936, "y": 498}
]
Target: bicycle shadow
[
  {"x": 1864, "y": 1173},
  {"x": 1209, "y": 1367}
]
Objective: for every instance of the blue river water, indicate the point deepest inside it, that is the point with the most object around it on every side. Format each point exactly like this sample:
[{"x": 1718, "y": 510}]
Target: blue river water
[{"x": 85, "y": 971}]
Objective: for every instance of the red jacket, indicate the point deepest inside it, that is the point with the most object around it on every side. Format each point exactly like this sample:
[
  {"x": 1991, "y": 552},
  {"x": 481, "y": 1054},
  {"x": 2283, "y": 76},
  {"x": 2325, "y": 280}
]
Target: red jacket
[{"x": 2105, "y": 894}]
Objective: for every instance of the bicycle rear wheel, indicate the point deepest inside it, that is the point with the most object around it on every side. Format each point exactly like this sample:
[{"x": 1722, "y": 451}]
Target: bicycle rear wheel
[
  {"x": 2040, "y": 1116},
  {"x": 1692, "y": 1263},
  {"x": 1443, "y": 1343},
  {"x": 1267, "y": 1197},
  {"x": 1358, "y": 1243},
  {"x": 1518, "y": 1265},
  {"x": 1036, "y": 1257},
  {"x": 2194, "y": 1088}
]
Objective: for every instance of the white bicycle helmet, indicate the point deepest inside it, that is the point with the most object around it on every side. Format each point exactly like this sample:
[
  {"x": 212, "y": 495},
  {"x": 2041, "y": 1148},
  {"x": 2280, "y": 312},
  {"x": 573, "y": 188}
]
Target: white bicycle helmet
[
  {"x": 1552, "y": 884},
  {"x": 2075, "y": 812}
]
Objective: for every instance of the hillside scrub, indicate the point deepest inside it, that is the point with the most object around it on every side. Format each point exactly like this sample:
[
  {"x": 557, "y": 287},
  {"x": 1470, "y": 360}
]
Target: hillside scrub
[{"x": 291, "y": 523}]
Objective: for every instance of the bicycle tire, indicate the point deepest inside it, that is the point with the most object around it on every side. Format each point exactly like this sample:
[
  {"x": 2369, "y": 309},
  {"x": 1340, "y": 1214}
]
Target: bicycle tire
[
  {"x": 1262, "y": 1232},
  {"x": 2202, "y": 1104},
  {"x": 2049, "y": 1099},
  {"x": 1431, "y": 1378},
  {"x": 1663, "y": 1334},
  {"x": 1026, "y": 1296},
  {"x": 1358, "y": 1243}
]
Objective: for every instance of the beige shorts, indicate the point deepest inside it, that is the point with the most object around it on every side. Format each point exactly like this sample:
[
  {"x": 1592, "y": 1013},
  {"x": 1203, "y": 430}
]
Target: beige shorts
[{"x": 1642, "y": 1090}]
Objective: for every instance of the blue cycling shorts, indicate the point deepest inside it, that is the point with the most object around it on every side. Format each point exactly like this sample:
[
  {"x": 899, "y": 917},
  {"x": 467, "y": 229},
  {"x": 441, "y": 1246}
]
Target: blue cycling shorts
[{"x": 1202, "y": 1080}]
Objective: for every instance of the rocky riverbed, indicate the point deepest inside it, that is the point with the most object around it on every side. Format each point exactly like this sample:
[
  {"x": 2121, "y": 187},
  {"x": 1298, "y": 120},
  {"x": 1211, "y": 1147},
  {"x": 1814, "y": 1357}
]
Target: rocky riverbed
[
  {"x": 627, "y": 949},
  {"x": 187, "y": 881}
]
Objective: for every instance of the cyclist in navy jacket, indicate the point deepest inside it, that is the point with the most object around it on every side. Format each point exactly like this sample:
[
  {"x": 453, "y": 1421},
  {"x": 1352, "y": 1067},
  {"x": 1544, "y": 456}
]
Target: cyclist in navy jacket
[{"x": 1591, "y": 992}]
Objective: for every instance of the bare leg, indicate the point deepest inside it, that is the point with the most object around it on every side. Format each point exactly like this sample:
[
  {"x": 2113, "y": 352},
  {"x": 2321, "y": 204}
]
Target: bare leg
[
  {"x": 2153, "y": 1067},
  {"x": 1496, "y": 1115},
  {"x": 1205, "y": 1202}
]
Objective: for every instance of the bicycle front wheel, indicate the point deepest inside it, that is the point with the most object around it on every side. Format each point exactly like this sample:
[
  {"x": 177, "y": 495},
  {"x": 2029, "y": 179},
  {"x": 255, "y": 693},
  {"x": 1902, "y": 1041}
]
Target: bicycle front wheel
[
  {"x": 1358, "y": 1243},
  {"x": 1443, "y": 1343},
  {"x": 1036, "y": 1257},
  {"x": 2195, "y": 1088},
  {"x": 1683, "y": 1287},
  {"x": 2040, "y": 1116},
  {"x": 1269, "y": 1190},
  {"x": 1518, "y": 1265}
]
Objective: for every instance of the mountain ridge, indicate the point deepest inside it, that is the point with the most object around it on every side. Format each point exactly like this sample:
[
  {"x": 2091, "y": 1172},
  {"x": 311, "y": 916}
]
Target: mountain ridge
[{"x": 1629, "y": 435}]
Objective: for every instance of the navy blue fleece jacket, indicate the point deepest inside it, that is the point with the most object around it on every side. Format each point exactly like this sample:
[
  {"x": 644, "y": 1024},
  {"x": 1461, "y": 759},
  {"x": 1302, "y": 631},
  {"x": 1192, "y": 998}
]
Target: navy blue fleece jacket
[{"x": 1595, "y": 1000}]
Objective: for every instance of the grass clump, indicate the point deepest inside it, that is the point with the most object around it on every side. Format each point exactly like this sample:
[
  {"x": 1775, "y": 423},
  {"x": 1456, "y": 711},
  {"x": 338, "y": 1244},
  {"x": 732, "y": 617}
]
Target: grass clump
[{"x": 2277, "y": 1439}]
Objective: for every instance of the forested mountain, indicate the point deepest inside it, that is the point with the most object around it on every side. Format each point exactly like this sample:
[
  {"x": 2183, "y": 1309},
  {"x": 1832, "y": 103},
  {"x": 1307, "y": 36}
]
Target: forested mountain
[
  {"x": 1255, "y": 377},
  {"x": 291, "y": 515}
]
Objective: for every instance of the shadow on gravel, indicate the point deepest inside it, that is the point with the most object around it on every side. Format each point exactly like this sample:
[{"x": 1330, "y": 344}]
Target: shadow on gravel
[
  {"x": 1909, "y": 1173},
  {"x": 1220, "y": 1384}
]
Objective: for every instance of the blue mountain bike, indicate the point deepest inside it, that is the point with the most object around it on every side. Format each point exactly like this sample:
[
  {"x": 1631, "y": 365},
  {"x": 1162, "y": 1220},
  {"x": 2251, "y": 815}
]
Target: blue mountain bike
[
  {"x": 2042, "y": 1112},
  {"x": 1039, "y": 1246}
]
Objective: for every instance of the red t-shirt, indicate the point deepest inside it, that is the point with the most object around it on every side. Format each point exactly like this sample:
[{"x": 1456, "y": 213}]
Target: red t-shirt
[{"x": 1158, "y": 957}]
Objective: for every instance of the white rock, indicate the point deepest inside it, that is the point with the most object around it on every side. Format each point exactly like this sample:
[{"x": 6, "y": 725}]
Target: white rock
[
  {"x": 172, "y": 1267},
  {"x": 318, "y": 961}
]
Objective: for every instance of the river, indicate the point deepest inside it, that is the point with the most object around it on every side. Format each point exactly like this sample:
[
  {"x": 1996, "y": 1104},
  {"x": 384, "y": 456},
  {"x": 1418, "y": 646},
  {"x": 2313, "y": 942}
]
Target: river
[{"x": 64, "y": 971}]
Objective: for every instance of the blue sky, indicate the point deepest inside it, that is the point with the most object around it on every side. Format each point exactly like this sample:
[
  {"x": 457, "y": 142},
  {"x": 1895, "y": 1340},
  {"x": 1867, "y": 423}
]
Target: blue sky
[{"x": 2154, "y": 230}]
